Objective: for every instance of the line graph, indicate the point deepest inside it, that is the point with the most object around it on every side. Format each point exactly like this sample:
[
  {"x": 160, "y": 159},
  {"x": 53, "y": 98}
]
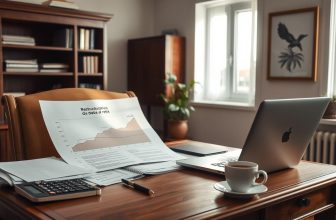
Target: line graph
[
  {"x": 131, "y": 134},
  {"x": 91, "y": 133}
]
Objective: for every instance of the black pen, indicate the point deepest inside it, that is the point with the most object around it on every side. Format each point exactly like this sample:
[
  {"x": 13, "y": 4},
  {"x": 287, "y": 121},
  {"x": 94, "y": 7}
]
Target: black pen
[{"x": 137, "y": 187}]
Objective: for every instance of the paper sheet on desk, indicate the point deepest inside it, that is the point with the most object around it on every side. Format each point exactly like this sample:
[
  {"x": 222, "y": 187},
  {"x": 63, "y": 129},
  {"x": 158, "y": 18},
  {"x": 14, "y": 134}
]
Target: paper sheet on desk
[
  {"x": 103, "y": 134},
  {"x": 154, "y": 168},
  {"x": 41, "y": 169},
  {"x": 110, "y": 177}
]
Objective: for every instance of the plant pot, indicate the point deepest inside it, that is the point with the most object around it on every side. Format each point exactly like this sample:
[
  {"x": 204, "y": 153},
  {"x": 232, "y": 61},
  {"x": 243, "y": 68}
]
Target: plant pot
[
  {"x": 177, "y": 129},
  {"x": 330, "y": 112}
]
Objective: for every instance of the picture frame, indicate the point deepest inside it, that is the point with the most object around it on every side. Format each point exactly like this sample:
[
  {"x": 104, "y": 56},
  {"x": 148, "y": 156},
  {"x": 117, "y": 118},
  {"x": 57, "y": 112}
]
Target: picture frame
[{"x": 292, "y": 44}]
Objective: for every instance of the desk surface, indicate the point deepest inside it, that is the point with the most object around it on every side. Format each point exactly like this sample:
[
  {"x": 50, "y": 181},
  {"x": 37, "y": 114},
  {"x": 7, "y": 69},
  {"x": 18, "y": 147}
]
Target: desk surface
[{"x": 181, "y": 194}]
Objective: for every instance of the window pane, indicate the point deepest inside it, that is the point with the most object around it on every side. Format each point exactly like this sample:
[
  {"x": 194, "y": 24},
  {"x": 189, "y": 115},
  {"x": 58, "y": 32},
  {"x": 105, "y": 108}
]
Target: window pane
[
  {"x": 216, "y": 60},
  {"x": 243, "y": 45},
  {"x": 225, "y": 43}
]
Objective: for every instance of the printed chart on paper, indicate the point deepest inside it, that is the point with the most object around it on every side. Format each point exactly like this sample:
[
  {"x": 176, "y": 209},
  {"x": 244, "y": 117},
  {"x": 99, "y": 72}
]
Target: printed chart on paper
[{"x": 103, "y": 134}]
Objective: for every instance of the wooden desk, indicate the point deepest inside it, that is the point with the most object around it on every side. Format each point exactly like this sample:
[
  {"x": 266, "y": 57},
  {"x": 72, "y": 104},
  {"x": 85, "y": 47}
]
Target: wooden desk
[{"x": 309, "y": 188}]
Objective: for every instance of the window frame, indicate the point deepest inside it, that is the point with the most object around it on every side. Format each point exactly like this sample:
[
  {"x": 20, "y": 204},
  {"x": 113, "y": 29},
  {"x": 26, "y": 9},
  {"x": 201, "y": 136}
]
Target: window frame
[{"x": 233, "y": 97}]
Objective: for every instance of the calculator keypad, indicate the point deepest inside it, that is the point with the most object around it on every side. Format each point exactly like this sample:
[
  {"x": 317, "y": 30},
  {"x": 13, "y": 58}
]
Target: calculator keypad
[{"x": 63, "y": 186}]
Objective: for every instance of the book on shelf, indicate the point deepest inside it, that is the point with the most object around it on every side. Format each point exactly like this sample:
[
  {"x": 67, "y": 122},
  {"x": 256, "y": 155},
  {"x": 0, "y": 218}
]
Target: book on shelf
[
  {"x": 96, "y": 64},
  {"x": 31, "y": 61},
  {"x": 18, "y": 38},
  {"x": 90, "y": 85},
  {"x": 63, "y": 38},
  {"x": 90, "y": 64},
  {"x": 69, "y": 37},
  {"x": 56, "y": 86},
  {"x": 54, "y": 70},
  {"x": 85, "y": 64},
  {"x": 18, "y": 43},
  {"x": 22, "y": 70},
  {"x": 21, "y": 65},
  {"x": 54, "y": 65},
  {"x": 86, "y": 39},
  {"x": 61, "y": 4},
  {"x": 92, "y": 39},
  {"x": 81, "y": 38}
]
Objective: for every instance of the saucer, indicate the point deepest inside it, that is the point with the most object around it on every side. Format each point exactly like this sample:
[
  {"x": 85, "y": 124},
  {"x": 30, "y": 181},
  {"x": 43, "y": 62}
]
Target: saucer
[{"x": 225, "y": 188}]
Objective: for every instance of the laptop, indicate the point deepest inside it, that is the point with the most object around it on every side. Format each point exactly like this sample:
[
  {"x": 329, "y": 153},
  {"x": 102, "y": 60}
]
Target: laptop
[{"x": 278, "y": 137}]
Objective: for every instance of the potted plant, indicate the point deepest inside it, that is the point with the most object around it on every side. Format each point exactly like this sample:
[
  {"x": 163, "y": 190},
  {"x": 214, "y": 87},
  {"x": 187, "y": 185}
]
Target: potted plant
[{"x": 177, "y": 107}]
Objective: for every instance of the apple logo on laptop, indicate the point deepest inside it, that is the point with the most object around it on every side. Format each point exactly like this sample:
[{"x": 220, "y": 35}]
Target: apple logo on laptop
[{"x": 285, "y": 136}]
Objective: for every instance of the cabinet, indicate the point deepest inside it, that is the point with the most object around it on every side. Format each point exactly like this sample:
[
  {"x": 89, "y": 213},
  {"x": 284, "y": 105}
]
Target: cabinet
[
  {"x": 313, "y": 205},
  {"x": 62, "y": 48},
  {"x": 149, "y": 59}
]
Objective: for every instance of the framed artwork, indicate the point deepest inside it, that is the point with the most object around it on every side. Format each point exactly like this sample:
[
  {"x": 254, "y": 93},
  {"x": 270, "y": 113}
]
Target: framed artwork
[{"x": 292, "y": 44}]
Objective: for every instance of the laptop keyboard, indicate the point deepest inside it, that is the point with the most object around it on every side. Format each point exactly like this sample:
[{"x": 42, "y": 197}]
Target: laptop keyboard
[{"x": 223, "y": 163}]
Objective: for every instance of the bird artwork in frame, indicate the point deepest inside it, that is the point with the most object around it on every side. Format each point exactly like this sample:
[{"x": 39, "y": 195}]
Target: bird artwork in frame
[{"x": 292, "y": 44}]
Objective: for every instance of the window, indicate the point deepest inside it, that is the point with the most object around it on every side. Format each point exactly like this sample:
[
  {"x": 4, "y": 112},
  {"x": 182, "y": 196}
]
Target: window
[{"x": 225, "y": 42}]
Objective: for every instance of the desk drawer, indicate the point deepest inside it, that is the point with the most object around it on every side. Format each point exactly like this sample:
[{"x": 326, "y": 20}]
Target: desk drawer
[{"x": 302, "y": 207}]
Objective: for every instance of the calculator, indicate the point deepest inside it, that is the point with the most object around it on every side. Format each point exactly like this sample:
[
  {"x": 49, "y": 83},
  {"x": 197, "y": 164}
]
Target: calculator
[{"x": 44, "y": 191}]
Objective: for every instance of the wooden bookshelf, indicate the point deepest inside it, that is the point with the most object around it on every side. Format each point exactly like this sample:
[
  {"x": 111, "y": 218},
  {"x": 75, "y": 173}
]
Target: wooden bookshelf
[
  {"x": 48, "y": 26},
  {"x": 22, "y": 47},
  {"x": 56, "y": 35},
  {"x": 39, "y": 74}
]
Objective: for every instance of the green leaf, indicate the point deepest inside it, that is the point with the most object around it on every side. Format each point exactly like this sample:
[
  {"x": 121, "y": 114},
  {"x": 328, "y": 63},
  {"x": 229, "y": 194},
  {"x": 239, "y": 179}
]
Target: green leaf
[
  {"x": 187, "y": 113},
  {"x": 181, "y": 86},
  {"x": 177, "y": 99},
  {"x": 171, "y": 78},
  {"x": 173, "y": 107}
]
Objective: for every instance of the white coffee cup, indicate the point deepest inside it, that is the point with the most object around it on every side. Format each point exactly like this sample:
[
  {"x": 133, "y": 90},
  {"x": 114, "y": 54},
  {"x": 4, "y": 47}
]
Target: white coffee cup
[{"x": 241, "y": 175}]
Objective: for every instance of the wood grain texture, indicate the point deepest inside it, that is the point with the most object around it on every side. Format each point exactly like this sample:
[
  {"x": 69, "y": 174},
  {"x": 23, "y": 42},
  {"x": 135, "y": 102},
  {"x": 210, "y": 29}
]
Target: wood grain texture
[
  {"x": 189, "y": 194},
  {"x": 42, "y": 9}
]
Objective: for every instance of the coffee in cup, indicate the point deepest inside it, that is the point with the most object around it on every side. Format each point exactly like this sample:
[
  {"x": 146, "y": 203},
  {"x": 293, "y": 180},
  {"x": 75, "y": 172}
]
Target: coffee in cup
[{"x": 242, "y": 175}]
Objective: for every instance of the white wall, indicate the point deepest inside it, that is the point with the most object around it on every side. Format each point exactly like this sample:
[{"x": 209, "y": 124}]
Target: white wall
[
  {"x": 131, "y": 19},
  {"x": 230, "y": 126}
]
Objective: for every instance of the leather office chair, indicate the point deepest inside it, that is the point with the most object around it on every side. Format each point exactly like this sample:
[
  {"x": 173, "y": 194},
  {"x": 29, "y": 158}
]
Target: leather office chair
[{"x": 29, "y": 137}]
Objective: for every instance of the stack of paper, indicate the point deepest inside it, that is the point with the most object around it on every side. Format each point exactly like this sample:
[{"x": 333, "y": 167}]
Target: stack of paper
[{"x": 41, "y": 169}]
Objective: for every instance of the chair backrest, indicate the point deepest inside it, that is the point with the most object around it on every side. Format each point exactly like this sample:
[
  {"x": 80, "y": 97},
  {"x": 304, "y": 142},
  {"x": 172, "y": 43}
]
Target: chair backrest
[{"x": 29, "y": 137}]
